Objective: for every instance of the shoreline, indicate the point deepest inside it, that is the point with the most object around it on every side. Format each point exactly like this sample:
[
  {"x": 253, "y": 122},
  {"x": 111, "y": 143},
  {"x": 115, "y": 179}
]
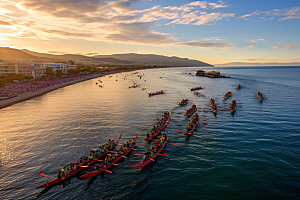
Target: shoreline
[{"x": 30, "y": 95}]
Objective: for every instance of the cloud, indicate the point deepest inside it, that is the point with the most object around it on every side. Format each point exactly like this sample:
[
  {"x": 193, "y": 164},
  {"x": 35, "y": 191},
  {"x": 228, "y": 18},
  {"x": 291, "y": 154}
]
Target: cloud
[
  {"x": 56, "y": 52},
  {"x": 138, "y": 33},
  {"x": 66, "y": 33},
  {"x": 5, "y": 23},
  {"x": 215, "y": 5},
  {"x": 90, "y": 54},
  {"x": 249, "y": 47},
  {"x": 283, "y": 47},
  {"x": 108, "y": 20},
  {"x": 290, "y": 13},
  {"x": 200, "y": 19},
  {"x": 257, "y": 40},
  {"x": 206, "y": 44},
  {"x": 213, "y": 38}
]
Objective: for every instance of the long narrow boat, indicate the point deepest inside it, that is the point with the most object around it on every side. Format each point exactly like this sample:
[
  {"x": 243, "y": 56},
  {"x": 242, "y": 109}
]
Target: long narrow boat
[
  {"x": 259, "y": 95},
  {"x": 196, "y": 88},
  {"x": 158, "y": 132},
  {"x": 197, "y": 94},
  {"x": 190, "y": 111},
  {"x": 156, "y": 93},
  {"x": 228, "y": 94},
  {"x": 193, "y": 128},
  {"x": 58, "y": 180},
  {"x": 213, "y": 106},
  {"x": 232, "y": 106},
  {"x": 239, "y": 86},
  {"x": 143, "y": 164},
  {"x": 112, "y": 163},
  {"x": 183, "y": 102}
]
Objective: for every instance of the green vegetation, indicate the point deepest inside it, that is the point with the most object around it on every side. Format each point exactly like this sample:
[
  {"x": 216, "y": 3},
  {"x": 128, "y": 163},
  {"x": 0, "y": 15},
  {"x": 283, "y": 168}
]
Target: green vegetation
[
  {"x": 43, "y": 78},
  {"x": 49, "y": 71},
  {"x": 2, "y": 82},
  {"x": 70, "y": 62},
  {"x": 72, "y": 71},
  {"x": 11, "y": 77},
  {"x": 28, "y": 77},
  {"x": 58, "y": 72}
]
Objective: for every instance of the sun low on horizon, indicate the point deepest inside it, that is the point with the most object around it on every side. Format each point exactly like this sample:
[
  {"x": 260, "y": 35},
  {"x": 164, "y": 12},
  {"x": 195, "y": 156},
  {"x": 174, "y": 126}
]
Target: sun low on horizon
[{"x": 211, "y": 31}]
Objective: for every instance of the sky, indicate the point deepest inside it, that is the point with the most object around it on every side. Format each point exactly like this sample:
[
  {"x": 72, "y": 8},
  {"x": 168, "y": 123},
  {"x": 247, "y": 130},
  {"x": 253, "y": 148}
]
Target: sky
[{"x": 212, "y": 31}]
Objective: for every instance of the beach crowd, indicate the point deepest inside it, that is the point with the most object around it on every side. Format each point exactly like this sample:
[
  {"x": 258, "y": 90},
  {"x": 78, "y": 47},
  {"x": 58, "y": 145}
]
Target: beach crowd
[{"x": 19, "y": 88}]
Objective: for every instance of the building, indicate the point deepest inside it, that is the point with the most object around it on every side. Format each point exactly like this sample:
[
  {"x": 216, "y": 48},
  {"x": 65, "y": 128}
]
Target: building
[
  {"x": 25, "y": 69},
  {"x": 34, "y": 69},
  {"x": 55, "y": 66},
  {"x": 8, "y": 69}
]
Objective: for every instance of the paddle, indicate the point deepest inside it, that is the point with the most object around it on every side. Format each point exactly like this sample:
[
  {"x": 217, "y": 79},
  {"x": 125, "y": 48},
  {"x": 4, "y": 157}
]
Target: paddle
[
  {"x": 163, "y": 154},
  {"x": 108, "y": 171},
  {"x": 179, "y": 125},
  {"x": 152, "y": 159},
  {"x": 115, "y": 164},
  {"x": 47, "y": 176},
  {"x": 99, "y": 160},
  {"x": 86, "y": 166},
  {"x": 138, "y": 154},
  {"x": 177, "y": 130},
  {"x": 204, "y": 123},
  {"x": 133, "y": 163},
  {"x": 165, "y": 149},
  {"x": 172, "y": 143},
  {"x": 204, "y": 115},
  {"x": 179, "y": 113},
  {"x": 120, "y": 144},
  {"x": 205, "y": 119}
]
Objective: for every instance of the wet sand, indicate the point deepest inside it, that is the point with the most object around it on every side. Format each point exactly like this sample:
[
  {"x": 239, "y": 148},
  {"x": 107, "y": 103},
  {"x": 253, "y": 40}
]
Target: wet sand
[{"x": 29, "y": 95}]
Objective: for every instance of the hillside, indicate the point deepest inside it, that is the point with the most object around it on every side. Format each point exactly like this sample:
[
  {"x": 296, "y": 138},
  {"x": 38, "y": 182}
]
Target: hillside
[
  {"x": 76, "y": 57},
  {"x": 155, "y": 59},
  {"x": 115, "y": 59},
  {"x": 6, "y": 52}
]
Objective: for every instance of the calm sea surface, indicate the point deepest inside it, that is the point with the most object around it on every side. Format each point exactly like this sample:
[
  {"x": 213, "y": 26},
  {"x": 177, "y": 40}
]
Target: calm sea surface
[{"x": 253, "y": 154}]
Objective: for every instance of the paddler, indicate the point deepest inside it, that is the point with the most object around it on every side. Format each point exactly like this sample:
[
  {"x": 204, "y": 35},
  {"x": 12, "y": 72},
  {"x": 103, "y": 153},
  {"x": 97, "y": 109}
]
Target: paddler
[
  {"x": 147, "y": 154},
  {"x": 97, "y": 166},
  {"x": 154, "y": 149},
  {"x": 151, "y": 154},
  {"x": 105, "y": 161},
  {"x": 59, "y": 175},
  {"x": 112, "y": 143},
  {"x": 161, "y": 141}
]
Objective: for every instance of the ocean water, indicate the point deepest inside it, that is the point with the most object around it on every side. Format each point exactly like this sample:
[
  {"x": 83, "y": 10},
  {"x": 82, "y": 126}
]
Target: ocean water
[{"x": 253, "y": 154}]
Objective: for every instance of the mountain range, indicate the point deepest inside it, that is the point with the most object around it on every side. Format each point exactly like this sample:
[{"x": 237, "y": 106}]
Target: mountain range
[{"x": 115, "y": 59}]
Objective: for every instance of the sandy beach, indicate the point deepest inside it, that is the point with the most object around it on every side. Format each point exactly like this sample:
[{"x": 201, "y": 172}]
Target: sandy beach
[{"x": 29, "y": 95}]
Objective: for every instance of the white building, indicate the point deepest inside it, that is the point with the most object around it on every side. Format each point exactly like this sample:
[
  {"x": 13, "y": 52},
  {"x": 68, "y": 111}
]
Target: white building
[{"x": 55, "y": 66}]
